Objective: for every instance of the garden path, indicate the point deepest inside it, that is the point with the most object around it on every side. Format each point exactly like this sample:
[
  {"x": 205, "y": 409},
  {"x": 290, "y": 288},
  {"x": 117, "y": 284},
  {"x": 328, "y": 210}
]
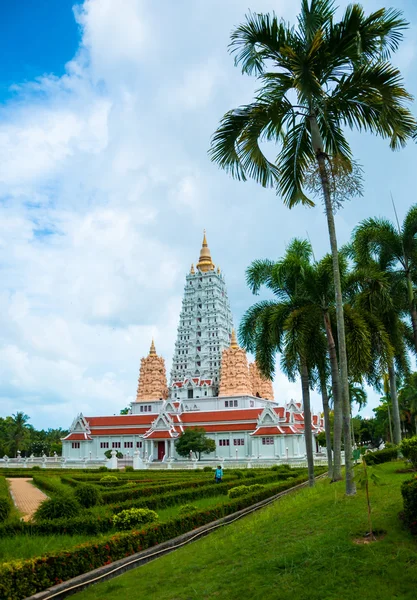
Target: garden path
[{"x": 25, "y": 495}]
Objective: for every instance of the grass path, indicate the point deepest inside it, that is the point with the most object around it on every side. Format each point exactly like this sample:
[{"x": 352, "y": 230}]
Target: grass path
[
  {"x": 299, "y": 548},
  {"x": 25, "y": 495}
]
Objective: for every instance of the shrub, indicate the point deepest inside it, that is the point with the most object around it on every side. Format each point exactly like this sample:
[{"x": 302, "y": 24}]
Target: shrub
[
  {"x": 381, "y": 456},
  {"x": 57, "y": 507},
  {"x": 87, "y": 495},
  {"x": 128, "y": 519},
  {"x": 208, "y": 469},
  {"x": 408, "y": 448},
  {"x": 103, "y": 469},
  {"x": 239, "y": 474},
  {"x": 36, "y": 468},
  {"x": 409, "y": 494},
  {"x": 5, "y": 508},
  {"x": 256, "y": 488},
  {"x": 237, "y": 491},
  {"x": 107, "y": 454},
  {"x": 250, "y": 474},
  {"x": 281, "y": 468},
  {"x": 108, "y": 479},
  {"x": 185, "y": 509},
  {"x": 129, "y": 469}
]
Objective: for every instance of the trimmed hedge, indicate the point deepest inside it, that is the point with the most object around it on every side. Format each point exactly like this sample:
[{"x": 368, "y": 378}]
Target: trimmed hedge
[
  {"x": 409, "y": 449},
  {"x": 381, "y": 456},
  {"x": 23, "y": 578},
  {"x": 409, "y": 494},
  {"x": 5, "y": 500}
]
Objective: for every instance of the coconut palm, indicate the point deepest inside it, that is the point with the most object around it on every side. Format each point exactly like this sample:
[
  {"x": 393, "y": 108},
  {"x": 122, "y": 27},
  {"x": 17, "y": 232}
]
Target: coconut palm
[
  {"x": 407, "y": 398},
  {"x": 285, "y": 325},
  {"x": 316, "y": 80},
  {"x": 395, "y": 251},
  {"x": 384, "y": 290}
]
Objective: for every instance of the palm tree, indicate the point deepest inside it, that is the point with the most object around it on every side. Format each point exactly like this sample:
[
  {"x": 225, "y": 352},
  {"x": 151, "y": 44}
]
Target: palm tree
[
  {"x": 407, "y": 397},
  {"x": 316, "y": 79},
  {"x": 18, "y": 432},
  {"x": 384, "y": 281},
  {"x": 286, "y": 326}
]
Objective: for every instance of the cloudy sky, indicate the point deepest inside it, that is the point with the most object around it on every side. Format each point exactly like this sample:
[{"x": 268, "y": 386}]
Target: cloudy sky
[{"x": 105, "y": 187}]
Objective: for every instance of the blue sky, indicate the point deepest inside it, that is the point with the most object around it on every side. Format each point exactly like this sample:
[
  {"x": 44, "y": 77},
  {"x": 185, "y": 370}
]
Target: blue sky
[{"x": 106, "y": 112}]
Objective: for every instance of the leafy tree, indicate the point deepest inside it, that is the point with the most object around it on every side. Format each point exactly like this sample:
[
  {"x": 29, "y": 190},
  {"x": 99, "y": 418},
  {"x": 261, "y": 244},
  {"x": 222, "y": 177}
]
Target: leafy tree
[
  {"x": 125, "y": 411},
  {"x": 315, "y": 80},
  {"x": 194, "y": 440},
  {"x": 107, "y": 454}
]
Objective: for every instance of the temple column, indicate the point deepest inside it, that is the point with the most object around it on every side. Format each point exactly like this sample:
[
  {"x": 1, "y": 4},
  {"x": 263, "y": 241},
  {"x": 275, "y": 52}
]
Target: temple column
[{"x": 166, "y": 448}]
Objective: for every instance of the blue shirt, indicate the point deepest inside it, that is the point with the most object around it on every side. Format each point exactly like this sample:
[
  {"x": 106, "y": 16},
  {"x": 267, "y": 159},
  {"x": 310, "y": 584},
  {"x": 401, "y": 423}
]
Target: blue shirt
[{"x": 219, "y": 473}]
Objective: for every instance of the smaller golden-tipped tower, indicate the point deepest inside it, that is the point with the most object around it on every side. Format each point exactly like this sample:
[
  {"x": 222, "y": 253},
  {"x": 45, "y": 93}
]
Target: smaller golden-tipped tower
[
  {"x": 205, "y": 263},
  {"x": 152, "y": 383},
  {"x": 234, "y": 377},
  {"x": 192, "y": 271}
]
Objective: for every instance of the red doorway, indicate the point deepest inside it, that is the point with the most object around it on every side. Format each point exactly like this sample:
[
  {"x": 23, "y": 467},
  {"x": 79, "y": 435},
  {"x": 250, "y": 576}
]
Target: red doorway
[{"x": 161, "y": 450}]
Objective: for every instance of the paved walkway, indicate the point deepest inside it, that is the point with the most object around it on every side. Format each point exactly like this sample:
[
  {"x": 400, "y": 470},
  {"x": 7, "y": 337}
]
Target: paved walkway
[{"x": 26, "y": 496}]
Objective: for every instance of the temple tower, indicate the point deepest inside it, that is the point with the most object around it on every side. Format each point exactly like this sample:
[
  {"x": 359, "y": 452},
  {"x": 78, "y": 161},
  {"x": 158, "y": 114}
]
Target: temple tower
[
  {"x": 261, "y": 386},
  {"x": 204, "y": 331},
  {"x": 152, "y": 377},
  {"x": 235, "y": 380}
]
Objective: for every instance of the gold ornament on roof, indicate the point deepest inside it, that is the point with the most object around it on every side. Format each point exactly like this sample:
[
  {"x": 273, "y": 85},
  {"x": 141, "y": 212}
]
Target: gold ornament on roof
[
  {"x": 192, "y": 269},
  {"x": 205, "y": 263},
  {"x": 233, "y": 341},
  {"x": 152, "y": 351}
]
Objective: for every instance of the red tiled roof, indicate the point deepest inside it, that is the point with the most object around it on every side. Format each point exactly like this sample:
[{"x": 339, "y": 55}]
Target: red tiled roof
[
  {"x": 119, "y": 420},
  {"x": 120, "y": 431},
  {"x": 222, "y": 427},
  {"x": 274, "y": 430},
  {"x": 176, "y": 404},
  {"x": 243, "y": 414},
  {"x": 280, "y": 411},
  {"x": 298, "y": 417},
  {"x": 288, "y": 429},
  {"x": 158, "y": 434},
  {"x": 77, "y": 436}
]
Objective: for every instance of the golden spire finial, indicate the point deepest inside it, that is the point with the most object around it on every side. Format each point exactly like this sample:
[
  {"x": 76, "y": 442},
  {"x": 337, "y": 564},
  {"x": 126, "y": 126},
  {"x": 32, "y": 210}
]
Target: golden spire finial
[
  {"x": 233, "y": 341},
  {"x": 205, "y": 263},
  {"x": 152, "y": 351},
  {"x": 192, "y": 269},
  {"x": 218, "y": 270}
]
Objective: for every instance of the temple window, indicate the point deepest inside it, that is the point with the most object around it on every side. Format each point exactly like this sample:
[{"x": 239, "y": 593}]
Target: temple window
[
  {"x": 128, "y": 444},
  {"x": 224, "y": 442},
  {"x": 239, "y": 442},
  {"x": 267, "y": 441},
  {"x": 104, "y": 444},
  {"x": 115, "y": 444},
  {"x": 75, "y": 445},
  {"x": 138, "y": 444}
]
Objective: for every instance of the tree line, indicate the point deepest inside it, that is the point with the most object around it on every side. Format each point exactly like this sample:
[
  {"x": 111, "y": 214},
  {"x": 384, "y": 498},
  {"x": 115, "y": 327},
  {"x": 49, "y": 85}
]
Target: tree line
[
  {"x": 318, "y": 80},
  {"x": 17, "y": 434}
]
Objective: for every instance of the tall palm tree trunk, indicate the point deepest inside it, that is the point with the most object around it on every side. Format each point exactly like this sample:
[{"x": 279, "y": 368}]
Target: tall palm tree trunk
[
  {"x": 305, "y": 386},
  {"x": 413, "y": 310},
  {"x": 337, "y": 404},
  {"x": 325, "y": 399},
  {"x": 394, "y": 402},
  {"x": 318, "y": 146}
]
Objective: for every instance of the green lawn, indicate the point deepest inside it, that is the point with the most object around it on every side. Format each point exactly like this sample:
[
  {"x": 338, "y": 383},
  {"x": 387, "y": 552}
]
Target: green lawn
[
  {"x": 299, "y": 548},
  {"x": 27, "y": 546}
]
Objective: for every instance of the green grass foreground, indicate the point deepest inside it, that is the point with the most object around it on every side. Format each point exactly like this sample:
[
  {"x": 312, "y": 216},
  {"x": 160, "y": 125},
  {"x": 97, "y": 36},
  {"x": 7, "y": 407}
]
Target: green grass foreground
[{"x": 300, "y": 547}]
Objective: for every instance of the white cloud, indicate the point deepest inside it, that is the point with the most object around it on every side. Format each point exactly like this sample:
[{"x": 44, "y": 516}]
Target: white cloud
[{"x": 105, "y": 188}]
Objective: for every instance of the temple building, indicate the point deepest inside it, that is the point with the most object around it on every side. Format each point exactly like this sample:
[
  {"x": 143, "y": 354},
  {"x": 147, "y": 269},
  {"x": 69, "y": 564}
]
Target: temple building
[{"x": 211, "y": 386}]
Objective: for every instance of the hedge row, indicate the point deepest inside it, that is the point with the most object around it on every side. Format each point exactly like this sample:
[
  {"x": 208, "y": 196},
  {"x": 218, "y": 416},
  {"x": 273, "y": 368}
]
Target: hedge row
[
  {"x": 159, "y": 501},
  {"x": 94, "y": 522},
  {"x": 23, "y": 578},
  {"x": 5, "y": 500},
  {"x": 409, "y": 494},
  {"x": 381, "y": 456}
]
